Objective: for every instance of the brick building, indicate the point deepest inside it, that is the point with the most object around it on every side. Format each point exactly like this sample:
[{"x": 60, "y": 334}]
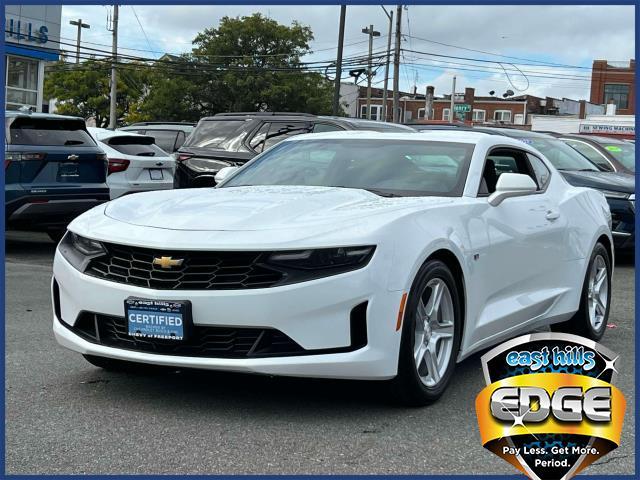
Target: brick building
[
  {"x": 614, "y": 81},
  {"x": 482, "y": 110}
]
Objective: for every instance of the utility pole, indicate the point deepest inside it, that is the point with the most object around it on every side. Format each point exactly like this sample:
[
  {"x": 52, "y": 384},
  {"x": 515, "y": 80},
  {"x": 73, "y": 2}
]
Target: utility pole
[
  {"x": 396, "y": 66},
  {"x": 386, "y": 68},
  {"x": 372, "y": 33},
  {"x": 80, "y": 27},
  {"x": 453, "y": 99},
  {"x": 336, "y": 91},
  {"x": 114, "y": 73}
]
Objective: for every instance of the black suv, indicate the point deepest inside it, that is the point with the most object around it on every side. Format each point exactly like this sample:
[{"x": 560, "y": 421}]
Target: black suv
[
  {"x": 53, "y": 172},
  {"x": 232, "y": 139}
]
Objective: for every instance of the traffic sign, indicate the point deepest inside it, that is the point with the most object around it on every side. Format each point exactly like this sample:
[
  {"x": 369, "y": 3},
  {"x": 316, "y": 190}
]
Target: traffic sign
[{"x": 462, "y": 108}]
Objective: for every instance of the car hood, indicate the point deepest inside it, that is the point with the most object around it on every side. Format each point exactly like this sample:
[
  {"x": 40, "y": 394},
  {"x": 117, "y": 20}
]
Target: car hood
[
  {"x": 256, "y": 208},
  {"x": 617, "y": 182}
]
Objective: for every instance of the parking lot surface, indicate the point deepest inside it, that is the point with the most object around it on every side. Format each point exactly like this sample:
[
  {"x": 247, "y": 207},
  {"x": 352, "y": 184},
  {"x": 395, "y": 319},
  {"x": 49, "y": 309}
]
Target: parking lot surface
[{"x": 64, "y": 416}]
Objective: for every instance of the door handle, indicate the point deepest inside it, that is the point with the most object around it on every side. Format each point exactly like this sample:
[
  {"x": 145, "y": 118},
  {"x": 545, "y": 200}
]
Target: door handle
[{"x": 552, "y": 215}]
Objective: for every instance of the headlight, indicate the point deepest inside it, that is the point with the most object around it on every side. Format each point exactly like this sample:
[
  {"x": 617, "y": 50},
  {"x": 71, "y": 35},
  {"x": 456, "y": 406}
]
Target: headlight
[
  {"x": 616, "y": 195},
  {"x": 80, "y": 250},
  {"x": 303, "y": 265}
]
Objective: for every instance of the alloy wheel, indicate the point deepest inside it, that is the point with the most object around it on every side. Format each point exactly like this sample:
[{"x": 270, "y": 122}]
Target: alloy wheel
[
  {"x": 434, "y": 331},
  {"x": 598, "y": 292}
]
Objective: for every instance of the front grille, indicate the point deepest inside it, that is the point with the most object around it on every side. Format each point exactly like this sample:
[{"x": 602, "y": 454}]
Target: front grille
[
  {"x": 213, "y": 342},
  {"x": 198, "y": 270}
]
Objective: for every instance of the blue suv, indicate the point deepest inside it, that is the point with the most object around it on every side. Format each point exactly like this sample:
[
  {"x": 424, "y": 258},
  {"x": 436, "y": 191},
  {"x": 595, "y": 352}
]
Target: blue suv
[{"x": 53, "y": 170}]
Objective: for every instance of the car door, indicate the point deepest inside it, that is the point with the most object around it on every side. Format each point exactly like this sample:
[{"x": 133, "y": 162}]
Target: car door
[{"x": 522, "y": 247}]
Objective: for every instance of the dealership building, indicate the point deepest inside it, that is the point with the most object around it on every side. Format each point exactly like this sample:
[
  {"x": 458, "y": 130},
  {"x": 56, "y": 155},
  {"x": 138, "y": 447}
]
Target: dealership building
[{"x": 31, "y": 40}]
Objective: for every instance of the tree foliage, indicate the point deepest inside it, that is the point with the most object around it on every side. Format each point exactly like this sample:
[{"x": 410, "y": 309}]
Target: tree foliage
[{"x": 249, "y": 63}]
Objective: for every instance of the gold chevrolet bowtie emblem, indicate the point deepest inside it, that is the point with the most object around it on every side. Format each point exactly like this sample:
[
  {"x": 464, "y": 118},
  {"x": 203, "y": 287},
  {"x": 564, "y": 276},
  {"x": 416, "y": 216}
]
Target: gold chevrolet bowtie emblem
[{"x": 167, "y": 262}]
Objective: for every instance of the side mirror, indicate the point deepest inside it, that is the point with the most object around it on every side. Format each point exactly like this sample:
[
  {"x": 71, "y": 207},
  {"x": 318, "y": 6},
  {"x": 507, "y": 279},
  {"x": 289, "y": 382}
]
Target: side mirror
[
  {"x": 512, "y": 185},
  {"x": 224, "y": 173}
]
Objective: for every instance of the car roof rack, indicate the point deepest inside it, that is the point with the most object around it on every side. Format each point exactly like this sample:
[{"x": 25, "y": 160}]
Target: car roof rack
[{"x": 264, "y": 114}]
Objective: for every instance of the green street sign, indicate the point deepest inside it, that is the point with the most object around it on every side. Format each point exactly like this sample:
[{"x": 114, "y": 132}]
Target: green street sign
[{"x": 462, "y": 108}]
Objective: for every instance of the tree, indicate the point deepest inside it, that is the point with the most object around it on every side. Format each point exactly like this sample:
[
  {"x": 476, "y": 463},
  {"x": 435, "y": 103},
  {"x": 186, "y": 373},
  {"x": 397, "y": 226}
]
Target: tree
[
  {"x": 254, "y": 63},
  {"x": 84, "y": 89}
]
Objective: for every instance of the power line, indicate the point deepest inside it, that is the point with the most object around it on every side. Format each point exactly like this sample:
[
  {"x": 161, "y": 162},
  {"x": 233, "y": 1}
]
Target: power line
[{"x": 141, "y": 27}]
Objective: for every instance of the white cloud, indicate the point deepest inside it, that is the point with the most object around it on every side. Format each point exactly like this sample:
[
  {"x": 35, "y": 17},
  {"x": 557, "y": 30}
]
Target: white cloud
[{"x": 573, "y": 35}]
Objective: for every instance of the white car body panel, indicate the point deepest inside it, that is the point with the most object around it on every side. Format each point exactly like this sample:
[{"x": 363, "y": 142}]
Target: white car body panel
[
  {"x": 136, "y": 178},
  {"x": 520, "y": 269}
]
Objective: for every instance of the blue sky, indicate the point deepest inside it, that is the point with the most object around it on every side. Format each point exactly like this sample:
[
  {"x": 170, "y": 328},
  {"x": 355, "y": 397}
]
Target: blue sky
[{"x": 567, "y": 35}]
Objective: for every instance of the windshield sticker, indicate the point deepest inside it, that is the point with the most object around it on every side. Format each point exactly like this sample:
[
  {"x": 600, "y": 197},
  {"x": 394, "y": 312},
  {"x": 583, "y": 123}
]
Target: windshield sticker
[
  {"x": 613, "y": 148},
  {"x": 525, "y": 140}
]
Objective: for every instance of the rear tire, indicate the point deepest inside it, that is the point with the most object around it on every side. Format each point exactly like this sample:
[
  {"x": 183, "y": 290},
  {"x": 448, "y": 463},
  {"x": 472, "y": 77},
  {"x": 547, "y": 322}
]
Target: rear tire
[
  {"x": 431, "y": 334},
  {"x": 591, "y": 319}
]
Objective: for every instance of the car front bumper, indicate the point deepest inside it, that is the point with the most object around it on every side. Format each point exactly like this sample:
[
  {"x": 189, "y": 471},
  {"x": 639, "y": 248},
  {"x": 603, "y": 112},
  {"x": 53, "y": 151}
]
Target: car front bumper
[{"x": 314, "y": 314}]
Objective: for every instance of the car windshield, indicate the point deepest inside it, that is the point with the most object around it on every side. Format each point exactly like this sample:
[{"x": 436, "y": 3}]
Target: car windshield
[
  {"x": 561, "y": 155},
  {"x": 218, "y": 134},
  {"x": 625, "y": 153},
  {"x": 385, "y": 167}
]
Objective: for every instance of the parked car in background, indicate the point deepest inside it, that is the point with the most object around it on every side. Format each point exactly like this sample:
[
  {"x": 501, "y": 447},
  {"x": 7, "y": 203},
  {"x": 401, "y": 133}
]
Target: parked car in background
[
  {"x": 609, "y": 154},
  {"x": 617, "y": 187},
  {"x": 136, "y": 163},
  {"x": 232, "y": 139},
  {"x": 169, "y": 136},
  {"x": 53, "y": 171}
]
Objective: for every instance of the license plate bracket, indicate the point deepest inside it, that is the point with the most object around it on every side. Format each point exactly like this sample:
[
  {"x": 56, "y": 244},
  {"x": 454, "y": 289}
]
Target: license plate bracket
[{"x": 165, "y": 320}]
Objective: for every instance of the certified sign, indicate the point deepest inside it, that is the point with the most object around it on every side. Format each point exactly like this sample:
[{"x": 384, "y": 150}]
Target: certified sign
[{"x": 550, "y": 407}]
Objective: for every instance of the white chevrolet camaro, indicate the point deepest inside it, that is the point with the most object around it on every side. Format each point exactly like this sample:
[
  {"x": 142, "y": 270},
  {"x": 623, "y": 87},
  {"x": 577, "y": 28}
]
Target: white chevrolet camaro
[{"x": 354, "y": 255}]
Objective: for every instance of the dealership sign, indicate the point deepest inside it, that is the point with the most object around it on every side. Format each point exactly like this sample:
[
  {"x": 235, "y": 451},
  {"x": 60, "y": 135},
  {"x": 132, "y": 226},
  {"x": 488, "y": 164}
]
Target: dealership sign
[
  {"x": 33, "y": 26},
  {"x": 608, "y": 128},
  {"x": 550, "y": 407}
]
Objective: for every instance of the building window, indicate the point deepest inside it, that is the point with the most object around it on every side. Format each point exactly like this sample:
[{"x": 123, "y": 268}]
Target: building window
[
  {"x": 421, "y": 113},
  {"x": 518, "y": 119},
  {"x": 446, "y": 114},
  {"x": 618, "y": 93},
  {"x": 376, "y": 112},
  {"x": 502, "y": 115},
  {"x": 22, "y": 83},
  {"x": 478, "y": 115}
]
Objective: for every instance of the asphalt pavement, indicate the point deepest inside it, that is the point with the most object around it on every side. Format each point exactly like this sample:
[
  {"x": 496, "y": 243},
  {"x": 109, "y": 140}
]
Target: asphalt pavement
[{"x": 64, "y": 416}]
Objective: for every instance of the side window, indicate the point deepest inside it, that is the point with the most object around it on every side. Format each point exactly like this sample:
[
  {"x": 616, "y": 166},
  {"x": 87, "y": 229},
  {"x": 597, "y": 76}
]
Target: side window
[
  {"x": 503, "y": 160},
  {"x": 326, "y": 127},
  {"x": 590, "y": 153},
  {"x": 180, "y": 139},
  {"x": 165, "y": 139},
  {"x": 540, "y": 171}
]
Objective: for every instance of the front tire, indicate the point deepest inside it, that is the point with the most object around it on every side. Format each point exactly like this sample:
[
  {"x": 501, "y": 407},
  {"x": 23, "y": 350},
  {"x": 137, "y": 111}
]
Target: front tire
[
  {"x": 431, "y": 335},
  {"x": 591, "y": 319}
]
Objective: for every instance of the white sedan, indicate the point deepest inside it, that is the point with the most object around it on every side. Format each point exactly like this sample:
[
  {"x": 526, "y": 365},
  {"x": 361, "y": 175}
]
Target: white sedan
[
  {"x": 136, "y": 163},
  {"x": 345, "y": 255}
]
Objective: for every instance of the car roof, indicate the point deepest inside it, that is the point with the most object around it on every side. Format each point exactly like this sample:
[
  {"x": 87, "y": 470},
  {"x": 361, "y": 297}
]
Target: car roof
[
  {"x": 44, "y": 116},
  {"x": 183, "y": 127},
  {"x": 145, "y": 124},
  {"x": 513, "y": 132},
  {"x": 600, "y": 139},
  {"x": 426, "y": 136},
  {"x": 104, "y": 133}
]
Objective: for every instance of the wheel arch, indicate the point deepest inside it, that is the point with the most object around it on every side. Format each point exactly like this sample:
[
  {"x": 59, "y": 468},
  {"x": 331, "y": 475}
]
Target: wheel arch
[
  {"x": 451, "y": 260},
  {"x": 606, "y": 241}
]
